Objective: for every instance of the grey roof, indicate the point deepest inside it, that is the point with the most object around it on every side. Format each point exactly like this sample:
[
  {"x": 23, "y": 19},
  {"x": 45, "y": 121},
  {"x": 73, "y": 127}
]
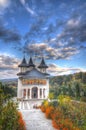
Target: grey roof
[
  {"x": 30, "y": 64},
  {"x": 20, "y": 73},
  {"x": 23, "y": 63},
  {"x": 42, "y": 64},
  {"x": 34, "y": 73}
]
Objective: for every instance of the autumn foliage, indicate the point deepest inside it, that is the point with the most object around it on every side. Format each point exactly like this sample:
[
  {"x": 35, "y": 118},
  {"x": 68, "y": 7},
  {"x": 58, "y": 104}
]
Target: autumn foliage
[
  {"x": 21, "y": 122},
  {"x": 66, "y": 116}
]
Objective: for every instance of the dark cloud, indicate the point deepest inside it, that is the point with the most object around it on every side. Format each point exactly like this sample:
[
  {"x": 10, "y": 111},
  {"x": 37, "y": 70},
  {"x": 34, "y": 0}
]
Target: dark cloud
[
  {"x": 50, "y": 52},
  {"x": 9, "y": 35},
  {"x": 74, "y": 32},
  {"x": 56, "y": 33},
  {"x": 8, "y": 63}
]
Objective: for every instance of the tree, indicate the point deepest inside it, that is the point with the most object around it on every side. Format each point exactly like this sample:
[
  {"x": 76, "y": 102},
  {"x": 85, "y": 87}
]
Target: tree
[
  {"x": 51, "y": 95},
  {"x": 70, "y": 91},
  {"x": 77, "y": 87}
]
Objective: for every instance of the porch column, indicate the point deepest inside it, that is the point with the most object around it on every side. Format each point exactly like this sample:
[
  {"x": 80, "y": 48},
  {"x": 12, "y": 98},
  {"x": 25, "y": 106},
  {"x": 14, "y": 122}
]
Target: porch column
[
  {"x": 30, "y": 93},
  {"x": 38, "y": 93},
  {"x": 22, "y": 93},
  {"x": 26, "y": 94},
  {"x": 42, "y": 94}
]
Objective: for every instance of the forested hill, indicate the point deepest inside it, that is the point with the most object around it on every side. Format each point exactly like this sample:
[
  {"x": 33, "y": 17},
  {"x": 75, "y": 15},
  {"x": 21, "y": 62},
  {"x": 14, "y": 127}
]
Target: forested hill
[
  {"x": 73, "y": 85},
  {"x": 65, "y": 79}
]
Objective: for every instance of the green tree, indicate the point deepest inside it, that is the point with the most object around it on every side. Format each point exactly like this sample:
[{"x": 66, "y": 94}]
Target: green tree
[
  {"x": 77, "y": 87},
  {"x": 51, "y": 95}
]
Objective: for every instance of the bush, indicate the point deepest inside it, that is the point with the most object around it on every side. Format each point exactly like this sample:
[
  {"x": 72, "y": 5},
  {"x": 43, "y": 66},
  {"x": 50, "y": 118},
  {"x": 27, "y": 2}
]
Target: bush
[
  {"x": 67, "y": 115},
  {"x": 49, "y": 111},
  {"x": 21, "y": 123},
  {"x": 10, "y": 118},
  {"x": 83, "y": 99}
]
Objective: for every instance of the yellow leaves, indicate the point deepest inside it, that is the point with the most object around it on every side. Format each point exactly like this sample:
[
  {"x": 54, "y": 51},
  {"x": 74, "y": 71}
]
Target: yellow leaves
[
  {"x": 63, "y": 99},
  {"x": 51, "y": 95}
]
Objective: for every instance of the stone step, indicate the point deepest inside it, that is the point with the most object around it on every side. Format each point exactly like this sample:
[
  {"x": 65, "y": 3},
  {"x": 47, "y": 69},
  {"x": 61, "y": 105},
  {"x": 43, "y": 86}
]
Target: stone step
[{"x": 26, "y": 105}]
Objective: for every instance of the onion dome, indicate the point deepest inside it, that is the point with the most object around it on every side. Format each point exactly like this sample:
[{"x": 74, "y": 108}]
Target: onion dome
[
  {"x": 42, "y": 64},
  {"x": 30, "y": 64},
  {"x": 23, "y": 63}
]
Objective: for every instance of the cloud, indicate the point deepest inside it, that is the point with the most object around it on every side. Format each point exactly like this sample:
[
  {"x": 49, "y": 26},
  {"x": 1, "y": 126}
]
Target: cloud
[
  {"x": 50, "y": 52},
  {"x": 74, "y": 31},
  {"x": 8, "y": 63},
  {"x": 73, "y": 23},
  {"x": 6, "y": 74},
  {"x": 9, "y": 35},
  {"x": 26, "y": 6},
  {"x": 57, "y": 70},
  {"x": 4, "y": 3},
  {"x": 8, "y": 66}
]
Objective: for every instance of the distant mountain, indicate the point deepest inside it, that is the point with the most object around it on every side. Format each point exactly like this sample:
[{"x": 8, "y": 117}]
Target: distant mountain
[{"x": 9, "y": 80}]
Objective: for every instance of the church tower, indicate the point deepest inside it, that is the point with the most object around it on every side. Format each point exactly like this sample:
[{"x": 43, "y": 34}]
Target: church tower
[
  {"x": 33, "y": 81},
  {"x": 30, "y": 65},
  {"x": 43, "y": 66},
  {"x": 23, "y": 66}
]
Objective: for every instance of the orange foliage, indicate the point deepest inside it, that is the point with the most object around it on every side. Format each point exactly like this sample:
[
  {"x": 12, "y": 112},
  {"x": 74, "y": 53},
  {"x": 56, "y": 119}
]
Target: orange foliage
[
  {"x": 21, "y": 122},
  {"x": 58, "y": 119},
  {"x": 49, "y": 112},
  {"x": 43, "y": 109}
]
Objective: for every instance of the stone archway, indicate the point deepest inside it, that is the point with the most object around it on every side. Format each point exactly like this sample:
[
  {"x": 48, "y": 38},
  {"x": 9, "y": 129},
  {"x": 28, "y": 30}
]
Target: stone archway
[{"x": 34, "y": 92}]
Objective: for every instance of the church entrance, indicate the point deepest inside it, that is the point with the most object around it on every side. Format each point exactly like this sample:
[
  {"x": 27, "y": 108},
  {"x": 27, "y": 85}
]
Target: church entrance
[{"x": 34, "y": 92}]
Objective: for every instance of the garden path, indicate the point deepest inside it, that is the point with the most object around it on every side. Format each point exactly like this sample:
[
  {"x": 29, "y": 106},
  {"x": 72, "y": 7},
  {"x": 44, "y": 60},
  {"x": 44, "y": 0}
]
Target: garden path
[{"x": 36, "y": 120}]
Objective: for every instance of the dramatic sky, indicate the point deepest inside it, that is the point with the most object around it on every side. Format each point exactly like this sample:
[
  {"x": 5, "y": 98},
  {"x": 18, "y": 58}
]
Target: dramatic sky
[{"x": 55, "y": 29}]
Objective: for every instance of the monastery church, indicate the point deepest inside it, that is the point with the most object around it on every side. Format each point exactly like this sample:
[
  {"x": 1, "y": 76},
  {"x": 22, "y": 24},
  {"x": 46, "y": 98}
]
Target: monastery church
[{"x": 33, "y": 81}]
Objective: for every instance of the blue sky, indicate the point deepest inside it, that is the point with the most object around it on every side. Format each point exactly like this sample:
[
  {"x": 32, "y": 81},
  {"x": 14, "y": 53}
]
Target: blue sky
[{"x": 55, "y": 29}]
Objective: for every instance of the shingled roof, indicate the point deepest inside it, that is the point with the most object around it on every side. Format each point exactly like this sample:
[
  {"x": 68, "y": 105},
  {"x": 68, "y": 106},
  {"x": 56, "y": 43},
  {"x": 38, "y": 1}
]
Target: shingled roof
[
  {"x": 33, "y": 73},
  {"x": 42, "y": 64},
  {"x": 30, "y": 64},
  {"x": 23, "y": 63}
]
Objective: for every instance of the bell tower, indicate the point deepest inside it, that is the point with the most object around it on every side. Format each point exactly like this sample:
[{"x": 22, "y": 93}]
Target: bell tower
[
  {"x": 23, "y": 66},
  {"x": 43, "y": 66}
]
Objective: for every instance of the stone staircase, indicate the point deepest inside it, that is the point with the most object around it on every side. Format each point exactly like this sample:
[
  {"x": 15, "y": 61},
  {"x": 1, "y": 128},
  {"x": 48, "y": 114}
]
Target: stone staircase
[{"x": 29, "y": 104}]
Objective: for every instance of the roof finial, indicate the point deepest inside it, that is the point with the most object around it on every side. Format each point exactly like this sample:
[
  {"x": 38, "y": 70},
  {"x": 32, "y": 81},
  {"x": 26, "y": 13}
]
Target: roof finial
[{"x": 24, "y": 53}]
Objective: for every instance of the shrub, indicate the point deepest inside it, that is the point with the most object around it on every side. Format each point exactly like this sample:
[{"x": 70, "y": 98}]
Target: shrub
[
  {"x": 10, "y": 118},
  {"x": 49, "y": 112},
  {"x": 21, "y": 123},
  {"x": 67, "y": 115}
]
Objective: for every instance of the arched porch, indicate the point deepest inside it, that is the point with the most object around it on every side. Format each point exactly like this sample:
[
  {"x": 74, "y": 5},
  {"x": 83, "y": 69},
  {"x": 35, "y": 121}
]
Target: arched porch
[{"x": 34, "y": 93}]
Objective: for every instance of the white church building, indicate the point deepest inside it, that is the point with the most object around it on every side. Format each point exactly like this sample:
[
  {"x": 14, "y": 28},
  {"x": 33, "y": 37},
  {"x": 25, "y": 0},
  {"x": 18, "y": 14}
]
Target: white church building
[{"x": 33, "y": 81}]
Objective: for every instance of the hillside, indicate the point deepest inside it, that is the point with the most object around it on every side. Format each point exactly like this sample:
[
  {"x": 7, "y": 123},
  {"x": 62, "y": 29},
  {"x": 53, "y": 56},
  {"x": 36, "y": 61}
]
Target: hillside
[{"x": 73, "y": 85}]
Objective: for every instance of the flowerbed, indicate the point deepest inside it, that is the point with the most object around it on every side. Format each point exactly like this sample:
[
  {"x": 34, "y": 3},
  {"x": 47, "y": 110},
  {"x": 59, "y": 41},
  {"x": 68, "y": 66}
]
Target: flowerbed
[{"x": 66, "y": 115}]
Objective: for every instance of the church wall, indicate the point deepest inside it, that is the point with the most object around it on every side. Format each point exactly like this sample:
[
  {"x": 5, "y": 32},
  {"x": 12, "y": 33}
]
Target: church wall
[
  {"x": 47, "y": 90},
  {"x": 21, "y": 87}
]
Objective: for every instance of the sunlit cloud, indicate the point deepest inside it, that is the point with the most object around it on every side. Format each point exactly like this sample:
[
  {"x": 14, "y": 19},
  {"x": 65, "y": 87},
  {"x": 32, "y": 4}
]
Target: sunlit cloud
[
  {"x": 49, "y": 52},
  {"x": 4, "y": 3},
  {"x": 56, "y": 70}
]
